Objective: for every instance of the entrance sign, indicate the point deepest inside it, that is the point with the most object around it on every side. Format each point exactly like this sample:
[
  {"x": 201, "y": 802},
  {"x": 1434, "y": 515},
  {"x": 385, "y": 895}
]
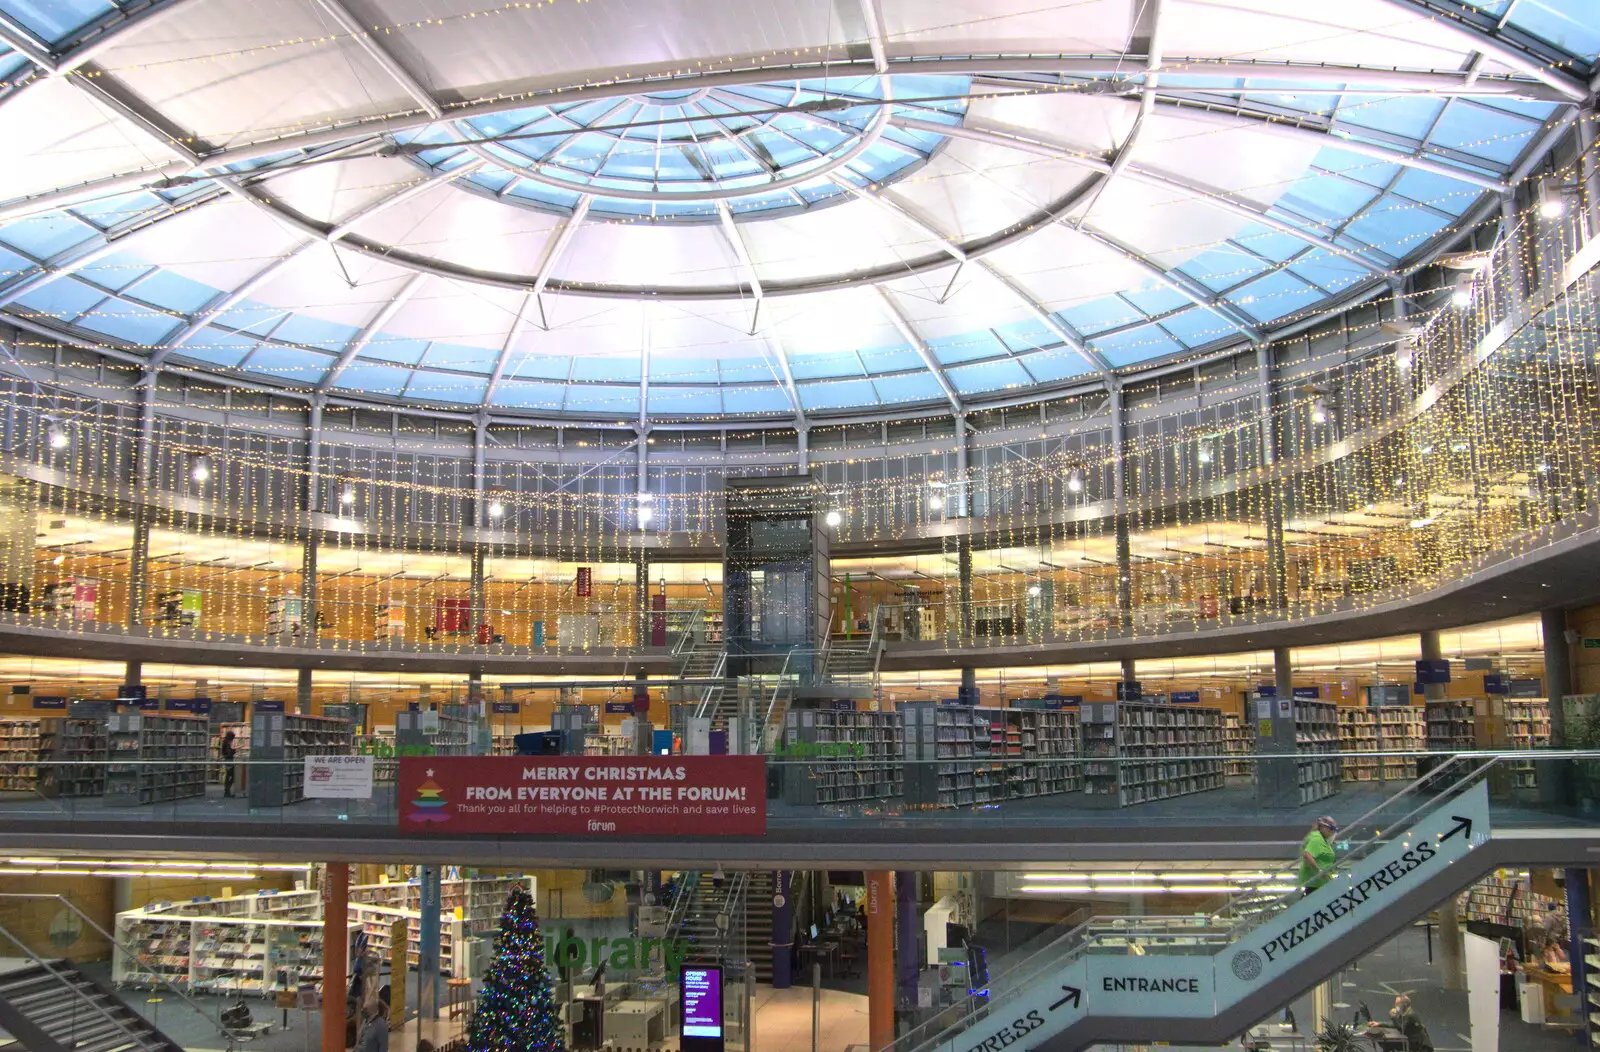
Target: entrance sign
[
  {"x": 585, "y": 795},
  {"x": 1439, "y": 839},
  {"x": 1175, "y": 985},
  {"x": 338, "y": 777}
]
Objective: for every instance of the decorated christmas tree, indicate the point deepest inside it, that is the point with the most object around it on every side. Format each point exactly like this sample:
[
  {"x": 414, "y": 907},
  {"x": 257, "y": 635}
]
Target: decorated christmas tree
[{"x": 516, "y": 1011}]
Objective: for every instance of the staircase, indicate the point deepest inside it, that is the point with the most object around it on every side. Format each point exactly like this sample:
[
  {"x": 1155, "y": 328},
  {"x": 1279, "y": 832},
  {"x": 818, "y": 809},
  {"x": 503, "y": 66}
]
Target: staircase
[
  {"x": 50, "y": 1006},
  {"x": 706, "y": 660},
  {"x": 855, "y": 661},
  {"x": 748, "y": 894}
]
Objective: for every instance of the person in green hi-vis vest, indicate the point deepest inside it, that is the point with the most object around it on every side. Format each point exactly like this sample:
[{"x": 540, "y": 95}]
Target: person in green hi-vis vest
[{"x": 1316, "y": 855}]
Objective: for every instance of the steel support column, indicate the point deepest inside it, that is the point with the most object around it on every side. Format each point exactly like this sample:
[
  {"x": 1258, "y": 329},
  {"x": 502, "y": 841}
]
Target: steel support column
[
  {"x": 880, "y": 959},
  {"x": 477, "y": 615},
  {"x": 1277, "y": 780},
  {"x": 302, "y": 691},
  {"x": 139, "y": 566},
  {"x": 428, "y": 944},
  {"x": 308, "y": 591}
]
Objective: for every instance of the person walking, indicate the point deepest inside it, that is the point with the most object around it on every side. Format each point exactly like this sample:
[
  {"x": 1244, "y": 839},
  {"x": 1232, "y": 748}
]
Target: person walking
[
  {"x": 1316, "y": 855},
  {"x": 227, "y": 761}
]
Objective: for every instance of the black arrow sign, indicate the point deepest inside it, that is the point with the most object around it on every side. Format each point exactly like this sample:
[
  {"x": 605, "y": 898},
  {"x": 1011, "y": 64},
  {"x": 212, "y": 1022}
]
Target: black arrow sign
[
  {"x": 1074, "y": 996},
  {"x": 1463, "y": 825}
]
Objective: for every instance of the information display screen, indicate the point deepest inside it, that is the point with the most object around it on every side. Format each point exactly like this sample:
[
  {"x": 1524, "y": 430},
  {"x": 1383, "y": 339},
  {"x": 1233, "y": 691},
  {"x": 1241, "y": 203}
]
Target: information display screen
[{"x": 702, "y": 1008}]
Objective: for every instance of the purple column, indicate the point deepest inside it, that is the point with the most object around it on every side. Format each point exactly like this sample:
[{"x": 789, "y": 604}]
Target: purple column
[
  {"x": 1577, "y": 882},
  {"x": 782, "y": 932},
  {"x": 908, "y": 962}
]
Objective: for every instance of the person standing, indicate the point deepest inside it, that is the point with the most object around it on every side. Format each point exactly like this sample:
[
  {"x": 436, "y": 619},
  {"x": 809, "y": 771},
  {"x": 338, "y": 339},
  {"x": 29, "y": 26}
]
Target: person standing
[
  {"x": 227, "y": 751},
  {"x": 1316, "y": 855},
  {"x": 374, "y": 1035}
]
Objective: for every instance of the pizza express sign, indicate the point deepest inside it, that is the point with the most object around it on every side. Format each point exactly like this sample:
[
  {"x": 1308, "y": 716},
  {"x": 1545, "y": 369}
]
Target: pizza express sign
[{"x": 1439, "y": 839}]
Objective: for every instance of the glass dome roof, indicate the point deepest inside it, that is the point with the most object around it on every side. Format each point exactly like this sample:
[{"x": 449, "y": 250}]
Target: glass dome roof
[{"x": 655, "y": 213}]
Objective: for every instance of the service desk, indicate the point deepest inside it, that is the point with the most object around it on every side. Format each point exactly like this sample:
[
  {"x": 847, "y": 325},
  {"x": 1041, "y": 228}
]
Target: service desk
[{"x": 636, "y": 1024}]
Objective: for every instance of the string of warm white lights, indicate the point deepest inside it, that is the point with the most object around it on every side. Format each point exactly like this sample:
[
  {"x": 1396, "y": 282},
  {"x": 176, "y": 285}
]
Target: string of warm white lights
[{"x": 1421, "y": 497}]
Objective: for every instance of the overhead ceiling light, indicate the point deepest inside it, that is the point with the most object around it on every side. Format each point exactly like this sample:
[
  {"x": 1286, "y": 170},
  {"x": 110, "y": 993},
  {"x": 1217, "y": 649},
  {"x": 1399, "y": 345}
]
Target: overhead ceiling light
[
  {"x": 1035, "y": 591},
  {"x": 57, "y": 437},
  {"x": 58, "y": 560},
  {"x": 936, "y": 502},
  {"x": 1075, "y": 482},
  {"x": 496, "y": 509},
  {"x": 645, "y": 515},
  {"x": 642, "y": 497},
  {"x": 1552, "y": 204},
  {"x": 833, "y": 518},
  {"x": 1462, "y": 296},
  {"x": 1319, "y": 411},
  {"x": 347, "y": 494},
  {"x": 1425, "y": 521},
  {"x": 1205, "y": 455},
  {"x": 200, "y": 468}
]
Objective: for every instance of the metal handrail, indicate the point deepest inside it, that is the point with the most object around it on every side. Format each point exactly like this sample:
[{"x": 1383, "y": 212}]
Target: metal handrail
[
  {"x": 116, "y": 945},
  {"x": 1055, "y": 953}
]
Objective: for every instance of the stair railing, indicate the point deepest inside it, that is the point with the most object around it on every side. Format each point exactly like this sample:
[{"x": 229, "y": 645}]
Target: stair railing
[
  {"x": 679, "y": 910},
  {"x": 166, "y": 986},
  {"x": 718, "y": 671},
  {"x": 120, "y": 1024}
]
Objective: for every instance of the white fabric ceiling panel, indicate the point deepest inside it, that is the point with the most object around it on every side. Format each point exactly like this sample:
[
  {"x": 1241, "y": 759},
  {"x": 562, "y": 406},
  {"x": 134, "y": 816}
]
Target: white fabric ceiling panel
[
  {"x": 1060, "y": 268},
  {"x": 461, "y": 227},
  {"x": 704, "y": 331},
  {"x": 70, "y": 139},
  {"x": 465, "y": 57},
  {"x": 1091, "y": 123},
  {"x": 331, "y": 192},
  {"x": 456, "y": 312},
  {"x": 609, "y": 253},
  {"x": 976, "y": 300},
  {"x": 918, "y": 27},
  {"x": 270, "y": 67},
  {"x": 581, "y": 327},
  {"x": 1365, "y": 32},
  {"x": 318, "y": 285},
  {"x": 849, "y": 236},
  {"x": 1252, "y": 165},
  {"x": 1156, "y": 221},
  {"x": 972, "y": 189},
  {"x": 187, "y": 243},
  {"x": 831, "y": 322}
]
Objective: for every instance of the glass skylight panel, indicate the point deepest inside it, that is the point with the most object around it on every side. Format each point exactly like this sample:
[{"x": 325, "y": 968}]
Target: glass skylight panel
[
  {"x": 601, "y": 398},
  {"x": 388, "y": 347},
  {"x": 1054, "y": 365},
  {"x": 373, "y": 379},
  {"x": 1197, "y": 327},
  {"x": 1482, "y": 132},
  {"x": 675, "y": 369},
  {"x": 106, "y": 212},
  {"x": 12, "y": 264},
  {"x": 289, "y": 363},
  {"x": 116, "y": 271},
  {"x": 756, "y": 398},
  {"x": 1025, "y": 335},
  {"x": 174, "y": 292},
  {"x": 1437, "y": 191},
  {"x": 684, "y": 401},
  {"x": 310, "y": 331},
  {"x": 1139, "y": 344},
  {"x": 1275, "y": 296},
  {"x": 879, "y": 360},
  {"x": 1396, "y": 226},
  {"x": 252, "y": 317},
  {"x": 47, "y": 235},
  {"x": 751, "y": 370},
  {"x": 61, "y": 299},
  {"x": 614, "y": 368},
  {"x": 965, "y": 348},
  {"x": 1328, "y": 198},
  {"x": 213, "y": 345},
  {"x": 443, "y": 387},
  {"x": 1220, "y": 268},
  {"x": 1108, "y": 312},
  {"x": 53, "y": 21},
  {"x": 460, "y": 357},
  {"x": 837, "y": 394},
  {"x": 819, "y": 366},
  {"x": 1328, "y": 270},
  {"x": 905, "y": 389},
  {"x": 520, "y": 394},
  {"x": 129, "y": 322},
  {"x": 1408, "y": 115},
  {"x": 1570, "y": 25},
  {"x": 1159, "y": 299},
  {"x": 989, "y": 376}
]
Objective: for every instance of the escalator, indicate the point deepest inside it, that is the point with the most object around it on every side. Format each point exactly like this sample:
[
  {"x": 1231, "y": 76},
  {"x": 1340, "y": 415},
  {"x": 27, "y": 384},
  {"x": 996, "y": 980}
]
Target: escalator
[{"x": 1205, "y": 978}]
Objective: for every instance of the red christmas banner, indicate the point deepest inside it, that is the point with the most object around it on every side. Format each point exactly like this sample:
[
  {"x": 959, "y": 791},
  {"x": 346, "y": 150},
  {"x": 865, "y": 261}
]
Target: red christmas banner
[{"x": 585, "y": 795}]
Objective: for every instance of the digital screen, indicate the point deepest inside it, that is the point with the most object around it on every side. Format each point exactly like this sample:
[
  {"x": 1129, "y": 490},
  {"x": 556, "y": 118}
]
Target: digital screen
[
  {"x": 702, "y": 1002},
  {"x": 813, "y": 933}
]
